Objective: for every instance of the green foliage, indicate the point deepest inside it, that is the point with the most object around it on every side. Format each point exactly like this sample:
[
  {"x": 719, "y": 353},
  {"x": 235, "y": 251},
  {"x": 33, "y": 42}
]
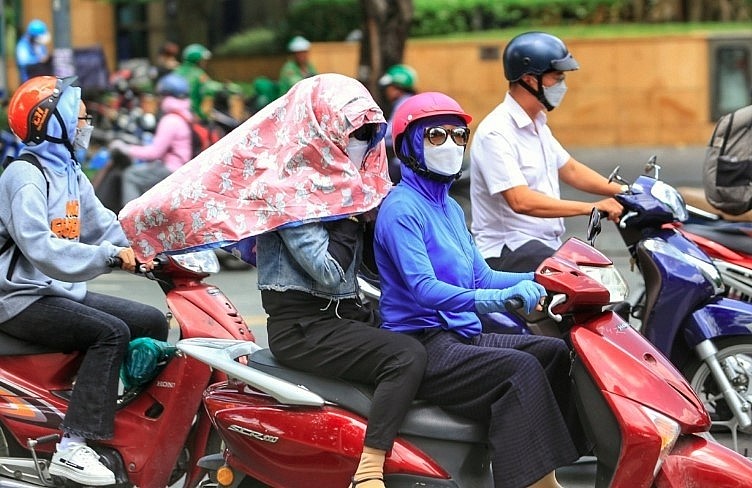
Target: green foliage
[
  {"x": 323, "y": 20},
  {"x": 437, "y": 17},
  {"x": 333, "y": 20},
  {"x": 253, "y": 42}
]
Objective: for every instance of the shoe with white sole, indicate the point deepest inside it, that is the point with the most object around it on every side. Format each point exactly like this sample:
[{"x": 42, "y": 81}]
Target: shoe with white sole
[{"x": 79, "y": 463}]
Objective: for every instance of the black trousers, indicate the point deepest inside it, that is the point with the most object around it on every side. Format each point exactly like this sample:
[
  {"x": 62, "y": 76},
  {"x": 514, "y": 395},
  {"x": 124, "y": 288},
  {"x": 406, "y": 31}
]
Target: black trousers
[
  {"x": 344, "y": 342},
  {"x": 519, "y": 385},
  {"x": 524, "y": 259}
]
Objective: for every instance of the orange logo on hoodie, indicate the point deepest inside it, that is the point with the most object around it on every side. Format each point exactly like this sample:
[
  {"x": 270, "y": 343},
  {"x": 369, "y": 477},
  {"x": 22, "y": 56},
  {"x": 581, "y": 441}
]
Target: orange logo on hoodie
[{"x": 68, "y": 227}]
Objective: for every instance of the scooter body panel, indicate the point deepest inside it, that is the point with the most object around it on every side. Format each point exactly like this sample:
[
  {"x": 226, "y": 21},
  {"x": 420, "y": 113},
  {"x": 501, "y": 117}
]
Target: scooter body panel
[
  {"x": 694, "y": 461},
  {"x": 721, "y": 317},
  {"x": 263, "y": 437},
  {"x": 209, "y": 311},
  {"x": 677, "y": 286},
  {"x": 624, "y": 364}
]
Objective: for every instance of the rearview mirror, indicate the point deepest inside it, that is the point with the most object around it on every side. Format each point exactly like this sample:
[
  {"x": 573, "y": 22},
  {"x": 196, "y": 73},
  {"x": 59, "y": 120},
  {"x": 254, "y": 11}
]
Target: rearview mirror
[{"x": 594, "y": 226}]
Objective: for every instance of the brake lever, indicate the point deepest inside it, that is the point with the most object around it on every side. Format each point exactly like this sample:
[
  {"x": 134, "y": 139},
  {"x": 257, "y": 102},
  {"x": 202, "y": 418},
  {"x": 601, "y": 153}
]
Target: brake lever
[
  {"x": 623, "y": 220},
  {"x": 556, "y": 300}
]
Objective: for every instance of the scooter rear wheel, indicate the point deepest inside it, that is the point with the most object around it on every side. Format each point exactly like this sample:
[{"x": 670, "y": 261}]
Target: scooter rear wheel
[{"x": 735, "y": 355}]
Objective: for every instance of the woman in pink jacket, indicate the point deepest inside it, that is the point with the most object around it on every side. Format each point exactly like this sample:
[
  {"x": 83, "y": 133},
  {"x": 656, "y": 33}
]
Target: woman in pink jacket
[{"x": 171, "y": 147}]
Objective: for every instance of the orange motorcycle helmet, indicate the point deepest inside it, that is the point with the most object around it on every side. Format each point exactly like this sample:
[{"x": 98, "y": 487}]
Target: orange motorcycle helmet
[{"x": 33, "y": 104}]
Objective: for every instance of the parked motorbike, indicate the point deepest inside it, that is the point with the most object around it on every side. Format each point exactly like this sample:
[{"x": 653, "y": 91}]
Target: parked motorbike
[
  {"x": 729, "y": 245},
  {"x": 285, "y": 428},
  {"x": 684, "y": 310},
  {"x": 160, "y": 428}
]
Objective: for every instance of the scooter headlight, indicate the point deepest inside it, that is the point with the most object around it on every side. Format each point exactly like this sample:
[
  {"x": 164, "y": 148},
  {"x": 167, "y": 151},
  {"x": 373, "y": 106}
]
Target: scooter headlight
[
  {"x": 611, "y": 279},
  {"x": 668, "y": 195},
  {"x": 197, "y": 262},
  {"x": 668, "y": 431}
]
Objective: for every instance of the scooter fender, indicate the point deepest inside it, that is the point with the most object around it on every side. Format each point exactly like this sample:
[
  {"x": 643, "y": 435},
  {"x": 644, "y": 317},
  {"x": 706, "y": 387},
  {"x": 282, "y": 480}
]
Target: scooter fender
[
  {"x": 696, "y": 461},
  {"x": 623, "y": 363},
  {"x": 720, "y": 318}
]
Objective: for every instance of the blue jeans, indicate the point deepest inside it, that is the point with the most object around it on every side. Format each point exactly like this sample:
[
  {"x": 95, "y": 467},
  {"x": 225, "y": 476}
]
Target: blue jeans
[{"x": 100, "y": 327}]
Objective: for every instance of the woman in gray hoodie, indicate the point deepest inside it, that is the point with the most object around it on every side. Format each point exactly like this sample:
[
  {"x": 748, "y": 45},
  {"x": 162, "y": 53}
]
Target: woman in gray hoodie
[{"x": 54, "y": 236}]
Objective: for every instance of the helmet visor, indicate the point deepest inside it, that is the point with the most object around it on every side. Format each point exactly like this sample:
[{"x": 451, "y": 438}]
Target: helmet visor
[{"x": 567, "y": 63}]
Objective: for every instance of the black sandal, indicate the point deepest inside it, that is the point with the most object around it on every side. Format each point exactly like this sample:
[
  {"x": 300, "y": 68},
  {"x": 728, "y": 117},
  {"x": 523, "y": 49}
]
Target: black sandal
[{"x": 354, "y": 483}]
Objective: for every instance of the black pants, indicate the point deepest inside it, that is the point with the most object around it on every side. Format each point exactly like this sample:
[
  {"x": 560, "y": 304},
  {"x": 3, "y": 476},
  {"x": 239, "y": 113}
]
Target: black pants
[
  {"x": 343, "y": 342},
  {"x": 524, "y": 259},
  {"x": 519, "y": 385},
  {"x": 100, "y": 326}
]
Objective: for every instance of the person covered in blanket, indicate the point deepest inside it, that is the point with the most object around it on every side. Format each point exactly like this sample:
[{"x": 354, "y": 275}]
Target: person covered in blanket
[{"x": 307, "y": 275}]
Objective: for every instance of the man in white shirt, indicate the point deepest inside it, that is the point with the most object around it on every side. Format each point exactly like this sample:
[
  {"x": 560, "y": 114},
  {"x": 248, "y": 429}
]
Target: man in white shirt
[{"x": 517, "y": 163}]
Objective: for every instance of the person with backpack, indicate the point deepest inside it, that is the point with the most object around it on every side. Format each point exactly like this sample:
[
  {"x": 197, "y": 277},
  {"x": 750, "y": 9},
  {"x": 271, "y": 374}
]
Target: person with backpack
[
  {"x": 171, "y": 147},
  {"x": 55, "y": 235}
]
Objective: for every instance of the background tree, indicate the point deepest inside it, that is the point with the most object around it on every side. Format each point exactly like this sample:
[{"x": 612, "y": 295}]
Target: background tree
[{"x": 386, "y": 25}]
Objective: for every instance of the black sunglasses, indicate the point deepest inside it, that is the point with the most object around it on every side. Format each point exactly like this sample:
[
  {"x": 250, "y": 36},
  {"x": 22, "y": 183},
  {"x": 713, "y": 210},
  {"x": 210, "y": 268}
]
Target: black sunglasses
[
  {"x": 87, "y": 118},
  {"x": 438, "y": 135}
]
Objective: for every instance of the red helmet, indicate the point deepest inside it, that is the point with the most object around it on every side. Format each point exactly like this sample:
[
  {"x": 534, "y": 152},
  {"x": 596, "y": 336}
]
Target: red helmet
[
  {"x": 420, "y": 106},
  {"x": 32, "y": 105}
]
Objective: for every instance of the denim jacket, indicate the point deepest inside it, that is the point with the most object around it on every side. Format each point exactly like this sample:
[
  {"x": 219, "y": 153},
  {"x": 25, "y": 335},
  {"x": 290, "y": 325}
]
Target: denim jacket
[{"x": 296, "y": 258}]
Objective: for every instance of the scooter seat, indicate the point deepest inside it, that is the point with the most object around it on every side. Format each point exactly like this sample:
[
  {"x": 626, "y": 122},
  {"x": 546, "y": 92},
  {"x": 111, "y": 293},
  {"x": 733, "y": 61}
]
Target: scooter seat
[
  {"x": 423, "y": 419},
  {"x": 11, "y": 346},
  {"x": 734, "y": 239}
]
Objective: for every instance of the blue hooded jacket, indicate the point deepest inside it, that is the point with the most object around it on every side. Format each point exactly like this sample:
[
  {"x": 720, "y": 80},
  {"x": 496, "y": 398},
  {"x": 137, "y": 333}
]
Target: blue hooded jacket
[{"x": 429, "y": 265}]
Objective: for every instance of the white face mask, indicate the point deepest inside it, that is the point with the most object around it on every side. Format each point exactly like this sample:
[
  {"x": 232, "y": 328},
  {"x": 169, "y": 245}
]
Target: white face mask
[
  {"x": 356, "y": 151},
  {"x": 82, "y": 137},
  {"x": 446, "y": 159},
  {"x": 555, "y": 93},
  {"x": 44, "y": 38}
]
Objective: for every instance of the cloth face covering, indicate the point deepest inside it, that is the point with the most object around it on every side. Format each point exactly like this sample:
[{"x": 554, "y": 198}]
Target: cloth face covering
[
  {"x": 356, "y": 151},
  {"x": 445, "y": 159},
  {"x": 83, "y": 137},
  {"x": 555, "y": 93}
]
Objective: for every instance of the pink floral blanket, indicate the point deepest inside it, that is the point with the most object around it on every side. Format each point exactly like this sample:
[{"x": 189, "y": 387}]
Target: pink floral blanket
[{"x": 285, "y": 164}]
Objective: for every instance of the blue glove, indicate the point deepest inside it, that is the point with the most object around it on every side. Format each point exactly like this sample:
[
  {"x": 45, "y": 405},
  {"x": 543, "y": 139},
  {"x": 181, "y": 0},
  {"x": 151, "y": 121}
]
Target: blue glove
[
  {"x": 530, "y": 292},
  {"x": 504, "y": 279}
]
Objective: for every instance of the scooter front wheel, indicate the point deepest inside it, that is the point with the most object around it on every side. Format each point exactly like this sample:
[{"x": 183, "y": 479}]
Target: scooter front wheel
[{"x": 735, "y": 356}]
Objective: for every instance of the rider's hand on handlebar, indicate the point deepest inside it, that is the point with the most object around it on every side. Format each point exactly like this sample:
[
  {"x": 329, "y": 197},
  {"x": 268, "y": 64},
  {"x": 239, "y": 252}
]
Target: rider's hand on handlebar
[
  {"x": 611, "y": 208},
  {"x": 128, "y": 259},
  {"x": 529, "y": 292}
]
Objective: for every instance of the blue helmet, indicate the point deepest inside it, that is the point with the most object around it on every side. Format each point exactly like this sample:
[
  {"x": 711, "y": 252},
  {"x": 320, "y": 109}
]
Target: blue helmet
[
  {"x": 173, "y": 85},
  {"x": 36, "y": 28},
  {"x": 536, "y": 53}
]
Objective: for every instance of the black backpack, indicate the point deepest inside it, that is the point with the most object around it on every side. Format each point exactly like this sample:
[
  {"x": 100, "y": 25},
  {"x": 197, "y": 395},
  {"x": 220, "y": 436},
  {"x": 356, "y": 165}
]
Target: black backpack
[{"x": 727, "y": 170}]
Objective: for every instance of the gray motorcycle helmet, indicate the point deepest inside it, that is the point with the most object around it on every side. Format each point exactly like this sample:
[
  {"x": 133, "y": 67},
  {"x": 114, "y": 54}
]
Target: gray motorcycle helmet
[{"x": 536, "y": 53}]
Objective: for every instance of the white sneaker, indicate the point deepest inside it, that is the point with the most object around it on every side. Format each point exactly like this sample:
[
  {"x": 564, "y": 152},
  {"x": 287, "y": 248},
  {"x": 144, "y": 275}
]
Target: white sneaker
[{"x": 79, "y": 463}]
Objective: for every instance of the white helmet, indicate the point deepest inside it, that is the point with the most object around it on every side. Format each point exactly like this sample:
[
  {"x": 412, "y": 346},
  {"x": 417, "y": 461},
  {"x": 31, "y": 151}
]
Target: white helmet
[{"x": 298, "y": 44}]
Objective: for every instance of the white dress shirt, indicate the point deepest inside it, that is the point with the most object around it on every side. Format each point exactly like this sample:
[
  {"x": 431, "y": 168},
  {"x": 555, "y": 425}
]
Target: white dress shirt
[{"x": 508, "y": 150}]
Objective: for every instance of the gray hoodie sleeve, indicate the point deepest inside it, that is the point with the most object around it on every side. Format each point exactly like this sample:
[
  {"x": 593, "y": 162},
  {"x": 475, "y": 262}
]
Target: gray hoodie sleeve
[{"x": 27, "y": 222}]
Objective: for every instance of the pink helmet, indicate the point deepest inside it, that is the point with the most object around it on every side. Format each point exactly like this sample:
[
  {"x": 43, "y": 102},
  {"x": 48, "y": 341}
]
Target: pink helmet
[{"x": 420, "y": 106}]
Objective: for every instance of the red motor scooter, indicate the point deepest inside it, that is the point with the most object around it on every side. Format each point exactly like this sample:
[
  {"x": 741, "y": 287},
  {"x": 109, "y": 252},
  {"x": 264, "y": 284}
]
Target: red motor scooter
[
  {"x": 286, "y": 428},
  {"x": 160, "y": 428}
]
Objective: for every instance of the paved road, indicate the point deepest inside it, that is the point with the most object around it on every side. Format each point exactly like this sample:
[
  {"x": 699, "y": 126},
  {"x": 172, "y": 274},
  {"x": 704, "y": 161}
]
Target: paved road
[{"x": 681, "y": 167}]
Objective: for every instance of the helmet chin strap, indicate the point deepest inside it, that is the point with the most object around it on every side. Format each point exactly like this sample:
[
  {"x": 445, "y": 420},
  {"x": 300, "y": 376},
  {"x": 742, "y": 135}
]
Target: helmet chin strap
[
  {"x": 537, "y": 93},
  {"x": 64, "y": 140}
]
